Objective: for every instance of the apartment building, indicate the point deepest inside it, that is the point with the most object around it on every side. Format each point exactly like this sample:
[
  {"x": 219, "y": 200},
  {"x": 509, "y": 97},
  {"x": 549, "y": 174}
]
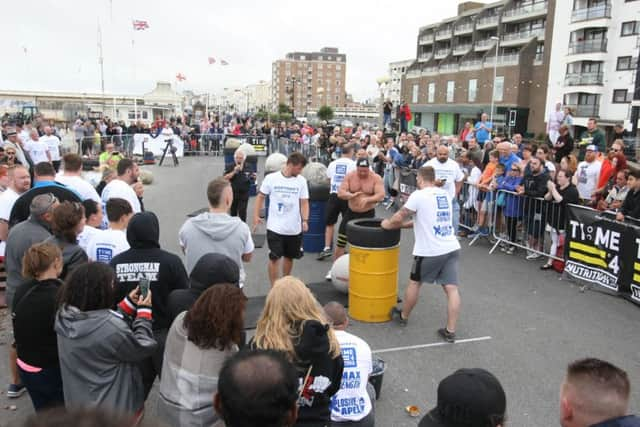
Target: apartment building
[
  {"x": 452, "y": 78},
  {"x": 305, "y": 81},
  {"x": 397, "y": 70},
  {"x": 594, "y": 60},
  {"x": 258, "y": 96}
]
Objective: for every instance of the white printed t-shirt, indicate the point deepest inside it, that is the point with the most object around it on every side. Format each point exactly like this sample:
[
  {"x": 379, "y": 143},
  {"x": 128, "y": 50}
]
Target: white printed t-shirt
[
  {"x": 588, "y": 174},
  {"x": 84, "y": 238},
  {"x": 449, "y": 170},
  {"x": 106, "y": 244},
  {"x": 432, "y": 226},
  {"x": 284, "y": 194},
  {"x": 352, "y": 402},
  {"x": 121, "y": 190},
  {"x": 81, "y": 186},
  {"x": 53, "y": 143},
  {"x": 7, "y": 200},
  {"x": 337, "y": 170},
  {"x": 37, "y": 150}
]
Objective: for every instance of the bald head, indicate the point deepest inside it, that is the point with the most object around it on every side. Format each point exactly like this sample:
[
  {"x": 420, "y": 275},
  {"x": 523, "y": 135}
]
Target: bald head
[
  {"x": 336, "y": 314},
  {"x": 442, "y": 153}
]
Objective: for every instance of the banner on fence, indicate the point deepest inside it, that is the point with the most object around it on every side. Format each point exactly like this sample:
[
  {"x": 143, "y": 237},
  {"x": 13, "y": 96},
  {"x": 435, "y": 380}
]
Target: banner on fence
[
  {"x": 156, "y": 145},
  {"x": 603, "y": 251}
]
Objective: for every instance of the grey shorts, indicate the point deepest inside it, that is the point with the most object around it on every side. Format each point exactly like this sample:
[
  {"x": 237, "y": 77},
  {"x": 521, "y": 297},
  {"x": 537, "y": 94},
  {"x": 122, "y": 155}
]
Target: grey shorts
[{"x": 441, "y": 269}]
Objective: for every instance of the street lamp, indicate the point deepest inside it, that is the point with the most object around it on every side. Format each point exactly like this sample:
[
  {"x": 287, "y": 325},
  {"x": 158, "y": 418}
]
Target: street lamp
[
  {"x": 382, "y": 85},
  {"x": 293, "y": 80},
  {"x": 495, "y": 68}
]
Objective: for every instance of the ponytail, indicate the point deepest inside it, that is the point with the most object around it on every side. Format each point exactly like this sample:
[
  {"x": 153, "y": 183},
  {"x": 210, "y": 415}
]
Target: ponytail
[{"x": 38, "y": 258}]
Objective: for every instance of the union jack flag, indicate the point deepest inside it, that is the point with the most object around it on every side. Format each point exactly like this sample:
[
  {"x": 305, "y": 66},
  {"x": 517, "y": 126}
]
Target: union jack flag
[
  {"x": 212, "y": 60},
  {"x": 140, "y": 25},
  {"x": 180, "y": 77},
  {"x": 223, "y": 62}
]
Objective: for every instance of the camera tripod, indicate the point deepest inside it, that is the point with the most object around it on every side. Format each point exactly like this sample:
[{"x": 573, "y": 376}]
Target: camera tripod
[{"x": 169, "y": 146}]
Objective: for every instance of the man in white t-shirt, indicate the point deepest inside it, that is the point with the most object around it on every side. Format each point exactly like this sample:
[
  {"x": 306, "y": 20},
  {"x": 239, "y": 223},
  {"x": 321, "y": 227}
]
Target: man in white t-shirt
[
  {"x": 449, "y": 176},
  {"x": 53, "y": 144},
  {"x": 108, "y": 243},
  {"x": 288, "y": 214},
  {"x": 19, "y": 183},
  {"x": 71, "y": 176},
  {"x": 37, "y": 149},
  {"x": 93, "y": 221},
  {"x": 123, "y": 186},
  {"x": 587, "y": 174},
  {"x": 353, "y": 403},
  {"x": 435, "y": 251},
  {"x": 336, "y": 171}
]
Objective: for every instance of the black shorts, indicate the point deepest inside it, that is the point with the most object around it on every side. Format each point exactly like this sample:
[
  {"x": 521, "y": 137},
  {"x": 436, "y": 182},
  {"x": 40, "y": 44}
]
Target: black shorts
[
  {"x": 348, "y": 215},
  {"x": 335, "y": 207},
  {"x": 281, "y": 245}
]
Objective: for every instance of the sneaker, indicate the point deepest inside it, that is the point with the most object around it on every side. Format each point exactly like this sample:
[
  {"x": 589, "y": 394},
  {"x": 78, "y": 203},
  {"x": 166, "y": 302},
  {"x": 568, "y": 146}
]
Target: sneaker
[
  {"x": 533, "y": 255},
  {"x": 446, "y": 335},
  {"x": 328, "y": 276},
  {"x": 15, "y": 390},
  {"x": 510, "y": 250},
  {"x": 396, "y": 314},
  {"x": 326, "y": 253}
]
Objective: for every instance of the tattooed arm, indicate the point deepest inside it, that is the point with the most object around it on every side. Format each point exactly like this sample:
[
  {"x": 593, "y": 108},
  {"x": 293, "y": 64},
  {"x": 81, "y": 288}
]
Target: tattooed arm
[{"x": 398, "y": 220}]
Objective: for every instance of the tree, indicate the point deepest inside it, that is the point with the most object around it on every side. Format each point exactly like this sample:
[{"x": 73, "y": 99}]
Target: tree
[
  {"x": 325, "y": 113},
  {"x": 283, "y": 109}
]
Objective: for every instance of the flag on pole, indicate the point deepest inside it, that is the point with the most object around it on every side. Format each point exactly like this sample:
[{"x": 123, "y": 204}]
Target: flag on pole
[
  {"x": 139, "y": 25},
  {"x": 212, "y": 60},
  {"x": 180, "y": 77},
  {"x": 223, "y": 62}
]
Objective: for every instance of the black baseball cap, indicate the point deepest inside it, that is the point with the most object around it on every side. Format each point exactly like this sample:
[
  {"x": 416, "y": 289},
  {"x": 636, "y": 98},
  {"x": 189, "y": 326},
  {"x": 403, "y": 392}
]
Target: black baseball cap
[
  {"x": 468, "y": 398},
  {"x": 212, "y": 269},
  {"x": 362, "y": 163}
]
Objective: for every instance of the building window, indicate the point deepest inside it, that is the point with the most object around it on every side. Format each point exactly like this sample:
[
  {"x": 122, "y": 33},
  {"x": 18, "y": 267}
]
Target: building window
[
  {"x": 320, "y": 58},
  {"x": 338, "y": 67},
  {"x": 620, "y": 96},
  {"x": 431, "y": 92},
  {"x": 629, "y": 29},
  {"x": 337, "y": 82},
  {"x": 320, "y": 66},
  {"x": 624, "y": 63},
  {"x": 451, "y": 85},
  {"x": 302, "y": 57},
  {"x": 414, "y": 93},
  {"x": 498, "y": 89},
  {"x": 417, "y": 119},
  {"x": 473, "y": 90}
]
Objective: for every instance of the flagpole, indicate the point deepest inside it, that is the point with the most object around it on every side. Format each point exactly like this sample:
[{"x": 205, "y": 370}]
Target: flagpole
[
  {"x": 133, "y": 50},
  {"x": 101, "y": 61}
]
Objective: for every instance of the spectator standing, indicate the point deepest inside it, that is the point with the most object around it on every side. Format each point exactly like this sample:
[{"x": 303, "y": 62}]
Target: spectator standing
[
  {"x": 561, "y": 194},
  {"x": 450, "y": 178},
  {"x": 110, "y": 158},
  {"x": 483, "y": 129},
  {"x": 466, "y": 133},
  {"x": 564, "y": 144},
  {"x": 405, "y": 116},
  {"x": 53, "y": 145},
  {"x": 10, "y": 158},
  {"x": 595, "y": 393},
  {"x": 568, "y": 119},
  {"x": 33, "y": 313},
  {"x": 435, "y": 251},
  {"x": 106, "y": 244},
  {"x": 630, "y": 206},
  {"x": 198, "y": 343},
  {"x": 614, "y": 161},
  {"x": 588, "y": 174},
  {"x": 37, "y": 149},
  {"x": 19, "y": 183},
  {"x": 217, "y": 231},
  {"x": 21, "y": 154},
  {"x": 512, "y": 208},
  {"x": 107, "y": 176},
  {"x": 68, "y": 222},
  {"x": 592, "y": 136},
  {"x": 352, "y": 405},
  {"x": 123, "y": 185},
  {"x": 617, "y": 194},
  {"x": 72, "y": 178},
  {"x": 99, "y": 346},
  {"x": 93, "y": 221},
  {"x": 534, "y": 186},
  {"x": 239, "y": 175},
  {"x": 288, "y": 214},
  {"x": 391, "y": 156},
  {"x": 554, "y": 121}
]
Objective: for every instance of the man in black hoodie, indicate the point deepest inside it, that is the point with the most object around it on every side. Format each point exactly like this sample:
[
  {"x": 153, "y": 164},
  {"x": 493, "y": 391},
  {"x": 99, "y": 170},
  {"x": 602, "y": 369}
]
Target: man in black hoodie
[
  {"x": 534, "y": 186},
  {"x": 166, "y": 273}
]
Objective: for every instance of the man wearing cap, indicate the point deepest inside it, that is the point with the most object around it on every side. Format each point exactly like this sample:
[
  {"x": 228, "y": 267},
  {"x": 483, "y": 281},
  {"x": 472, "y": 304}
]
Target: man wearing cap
[
  {"x": 23, "y": 157},
  {"x": 34, "y": 230},
  {"x": 587, "y": 174},
  {"x": 363, "y": 189},
  {"x": 468, "y": 397}
]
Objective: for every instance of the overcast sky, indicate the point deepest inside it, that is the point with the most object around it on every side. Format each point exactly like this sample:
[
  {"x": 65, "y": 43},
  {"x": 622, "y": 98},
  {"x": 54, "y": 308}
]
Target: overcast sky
[{"x": 60, "y": 39}]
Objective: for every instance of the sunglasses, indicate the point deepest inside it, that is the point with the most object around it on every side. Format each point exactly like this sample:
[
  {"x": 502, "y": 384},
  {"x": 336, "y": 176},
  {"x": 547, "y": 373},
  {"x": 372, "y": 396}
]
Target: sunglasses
[{"x": 615, "y": 150}]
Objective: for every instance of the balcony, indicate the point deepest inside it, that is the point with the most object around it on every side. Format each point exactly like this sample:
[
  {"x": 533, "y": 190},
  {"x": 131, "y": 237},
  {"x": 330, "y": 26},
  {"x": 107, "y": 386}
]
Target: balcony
[
  {"x": 449, "y": 68},
  {"x": 589, "y": 13},
  {"x": 487, "y": 22},
  {"x": 430, "y": 71},
  {"x": 426, "y": 39},
  {"x": 444, "y": 34},
  {"x": 441, "y": 53},
  {"x": 503, "y": 60},
  {"x": 461, "y": 49},
  {"x": 463, "y": 28},
  {"x": 521, "y": 37},
  {"x": 587, "y": 46},
  {"x": 581, "y": 79},
  {"x": 472, "y": 64},
  {"x": 412, "y": 74},
  {"x": 525, "y": 12},
  {"x": 485, "y": 44},
  {"x": 585, "y": 110},
  {"x": 425, "y": 56}
]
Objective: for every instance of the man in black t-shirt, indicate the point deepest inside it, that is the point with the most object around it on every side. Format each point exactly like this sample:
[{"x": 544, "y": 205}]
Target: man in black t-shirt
[{"x": 240, "y": 176}]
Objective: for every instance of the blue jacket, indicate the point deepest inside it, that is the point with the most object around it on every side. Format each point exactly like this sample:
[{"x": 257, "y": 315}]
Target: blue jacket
[
  {"x": 626, "y": 421},
  {"x": 512, "y": 203},
  {"x": 509, "y": 160}
]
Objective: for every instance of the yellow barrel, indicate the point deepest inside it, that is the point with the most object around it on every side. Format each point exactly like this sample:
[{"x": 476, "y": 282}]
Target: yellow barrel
[{"x": 373, "y": 270}]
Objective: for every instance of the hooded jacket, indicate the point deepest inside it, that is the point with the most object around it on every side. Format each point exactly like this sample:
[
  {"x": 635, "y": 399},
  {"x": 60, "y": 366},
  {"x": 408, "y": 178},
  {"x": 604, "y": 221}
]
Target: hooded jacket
[
  {"x": 72, "y": 254},
  {"x": 212, "y": 232},
  {"x": 99, "y": 353},
  {"x": 626, "y": 421},
  {"x": 164, "y": 270}
]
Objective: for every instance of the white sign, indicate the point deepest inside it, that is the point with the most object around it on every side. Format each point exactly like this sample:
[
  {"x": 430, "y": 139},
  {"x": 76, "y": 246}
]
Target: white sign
[{"x": 156, "y": 145}]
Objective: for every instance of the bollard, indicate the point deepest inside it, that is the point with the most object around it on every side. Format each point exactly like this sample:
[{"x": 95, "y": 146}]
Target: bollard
[
  {"x": 373, "y": 269},
  {"x": 313, "y": 239}
]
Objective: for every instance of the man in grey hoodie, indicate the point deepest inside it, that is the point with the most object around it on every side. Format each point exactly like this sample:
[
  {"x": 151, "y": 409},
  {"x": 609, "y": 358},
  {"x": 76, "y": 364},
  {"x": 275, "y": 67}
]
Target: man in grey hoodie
[{"x": 216, "y": 231}]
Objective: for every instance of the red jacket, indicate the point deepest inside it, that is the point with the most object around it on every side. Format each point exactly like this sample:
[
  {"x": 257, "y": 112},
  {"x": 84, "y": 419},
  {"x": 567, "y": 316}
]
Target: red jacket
[{"x": 405, "y": 111}]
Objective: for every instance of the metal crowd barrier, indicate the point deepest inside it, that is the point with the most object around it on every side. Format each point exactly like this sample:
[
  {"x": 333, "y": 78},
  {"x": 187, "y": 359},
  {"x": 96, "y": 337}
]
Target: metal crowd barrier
[{"x": 287, "y": 146}]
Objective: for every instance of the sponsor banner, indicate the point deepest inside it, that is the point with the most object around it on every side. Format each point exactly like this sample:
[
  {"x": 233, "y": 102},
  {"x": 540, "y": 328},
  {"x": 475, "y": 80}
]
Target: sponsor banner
[
  {"x": 407, "y": 183},
  {"x": 156, "y": 145}
]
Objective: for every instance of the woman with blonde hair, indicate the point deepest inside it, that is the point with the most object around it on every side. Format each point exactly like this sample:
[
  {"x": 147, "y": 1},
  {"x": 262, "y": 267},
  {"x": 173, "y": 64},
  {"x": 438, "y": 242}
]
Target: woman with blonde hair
[{"x": 293, "y": 322}]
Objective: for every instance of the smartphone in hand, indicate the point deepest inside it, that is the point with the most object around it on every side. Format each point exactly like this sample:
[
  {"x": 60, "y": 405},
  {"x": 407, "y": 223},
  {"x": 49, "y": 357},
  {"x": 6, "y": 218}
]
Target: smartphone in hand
[{"x": 144, "y": 287}]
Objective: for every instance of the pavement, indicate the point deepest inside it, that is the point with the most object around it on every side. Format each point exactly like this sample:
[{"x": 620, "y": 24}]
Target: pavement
[{"x": 520, "y": 323}]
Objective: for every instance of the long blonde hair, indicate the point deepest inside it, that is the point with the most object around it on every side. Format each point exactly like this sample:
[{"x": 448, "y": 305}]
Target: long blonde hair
[{"x": 289, "y": 305}]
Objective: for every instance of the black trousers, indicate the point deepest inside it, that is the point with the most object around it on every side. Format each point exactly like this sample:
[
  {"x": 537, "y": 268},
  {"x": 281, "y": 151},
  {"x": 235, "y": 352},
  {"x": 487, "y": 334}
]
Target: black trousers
[
  {"x": 152, "y": 366},
  {"x": 239, "y": 206}
]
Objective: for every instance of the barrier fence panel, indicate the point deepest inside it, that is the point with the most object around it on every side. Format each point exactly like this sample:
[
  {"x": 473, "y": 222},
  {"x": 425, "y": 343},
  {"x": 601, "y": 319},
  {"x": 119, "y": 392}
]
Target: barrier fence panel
[{"x": 407, "y": 183}]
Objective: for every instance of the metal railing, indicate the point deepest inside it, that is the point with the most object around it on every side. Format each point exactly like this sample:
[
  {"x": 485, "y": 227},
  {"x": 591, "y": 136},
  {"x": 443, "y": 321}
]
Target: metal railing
[
  {"x": 585, "y": 110},
  {"x": 512, "y": 59},
  {"x": 485, "y": 43},
  {"x": 444, "y": 33},
  {"x": 450, "y": 67},
  {"x": 441, "y": 53},
  {"x": 487, "y": 21},
  {"x": 462, "y": 48},
  {"x": 426, "y": 39},
  {"x": 463, "y": 28},
  {"x": 594, "y": 12},
  {"x": 425, "y": 56},
  {"x": 577, "y": 79},
  {"x": 523, "y": 35},
  {"x": 471, "y": 64},
  {"x": 587, "y": 46},
  {"x": 525, "y": 10}
]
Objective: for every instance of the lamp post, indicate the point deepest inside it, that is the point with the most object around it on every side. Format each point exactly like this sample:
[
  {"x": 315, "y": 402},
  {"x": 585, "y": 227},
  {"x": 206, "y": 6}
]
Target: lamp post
[
  {"x": 382, "y": 85},
  {"x": 293, "y": 80},
  {"x": 493, "y": 87}
]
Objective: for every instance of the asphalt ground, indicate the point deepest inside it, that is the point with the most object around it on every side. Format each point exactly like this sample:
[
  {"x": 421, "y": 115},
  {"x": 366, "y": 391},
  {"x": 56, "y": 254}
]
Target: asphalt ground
[{"x": 524, "y": 325}]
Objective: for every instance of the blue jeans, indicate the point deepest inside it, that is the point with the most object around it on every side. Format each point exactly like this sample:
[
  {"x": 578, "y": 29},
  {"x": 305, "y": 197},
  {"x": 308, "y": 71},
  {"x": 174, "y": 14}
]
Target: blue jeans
[
  {"x": 456, "y": 215},
  {"x": 386, "y": 119},
  {"x": 44, "y": 387}
]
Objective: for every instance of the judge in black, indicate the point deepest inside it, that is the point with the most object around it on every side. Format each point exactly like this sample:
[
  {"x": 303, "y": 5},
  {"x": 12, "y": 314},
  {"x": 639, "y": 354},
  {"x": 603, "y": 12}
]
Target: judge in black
[{"x": 240, "y": 176}]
